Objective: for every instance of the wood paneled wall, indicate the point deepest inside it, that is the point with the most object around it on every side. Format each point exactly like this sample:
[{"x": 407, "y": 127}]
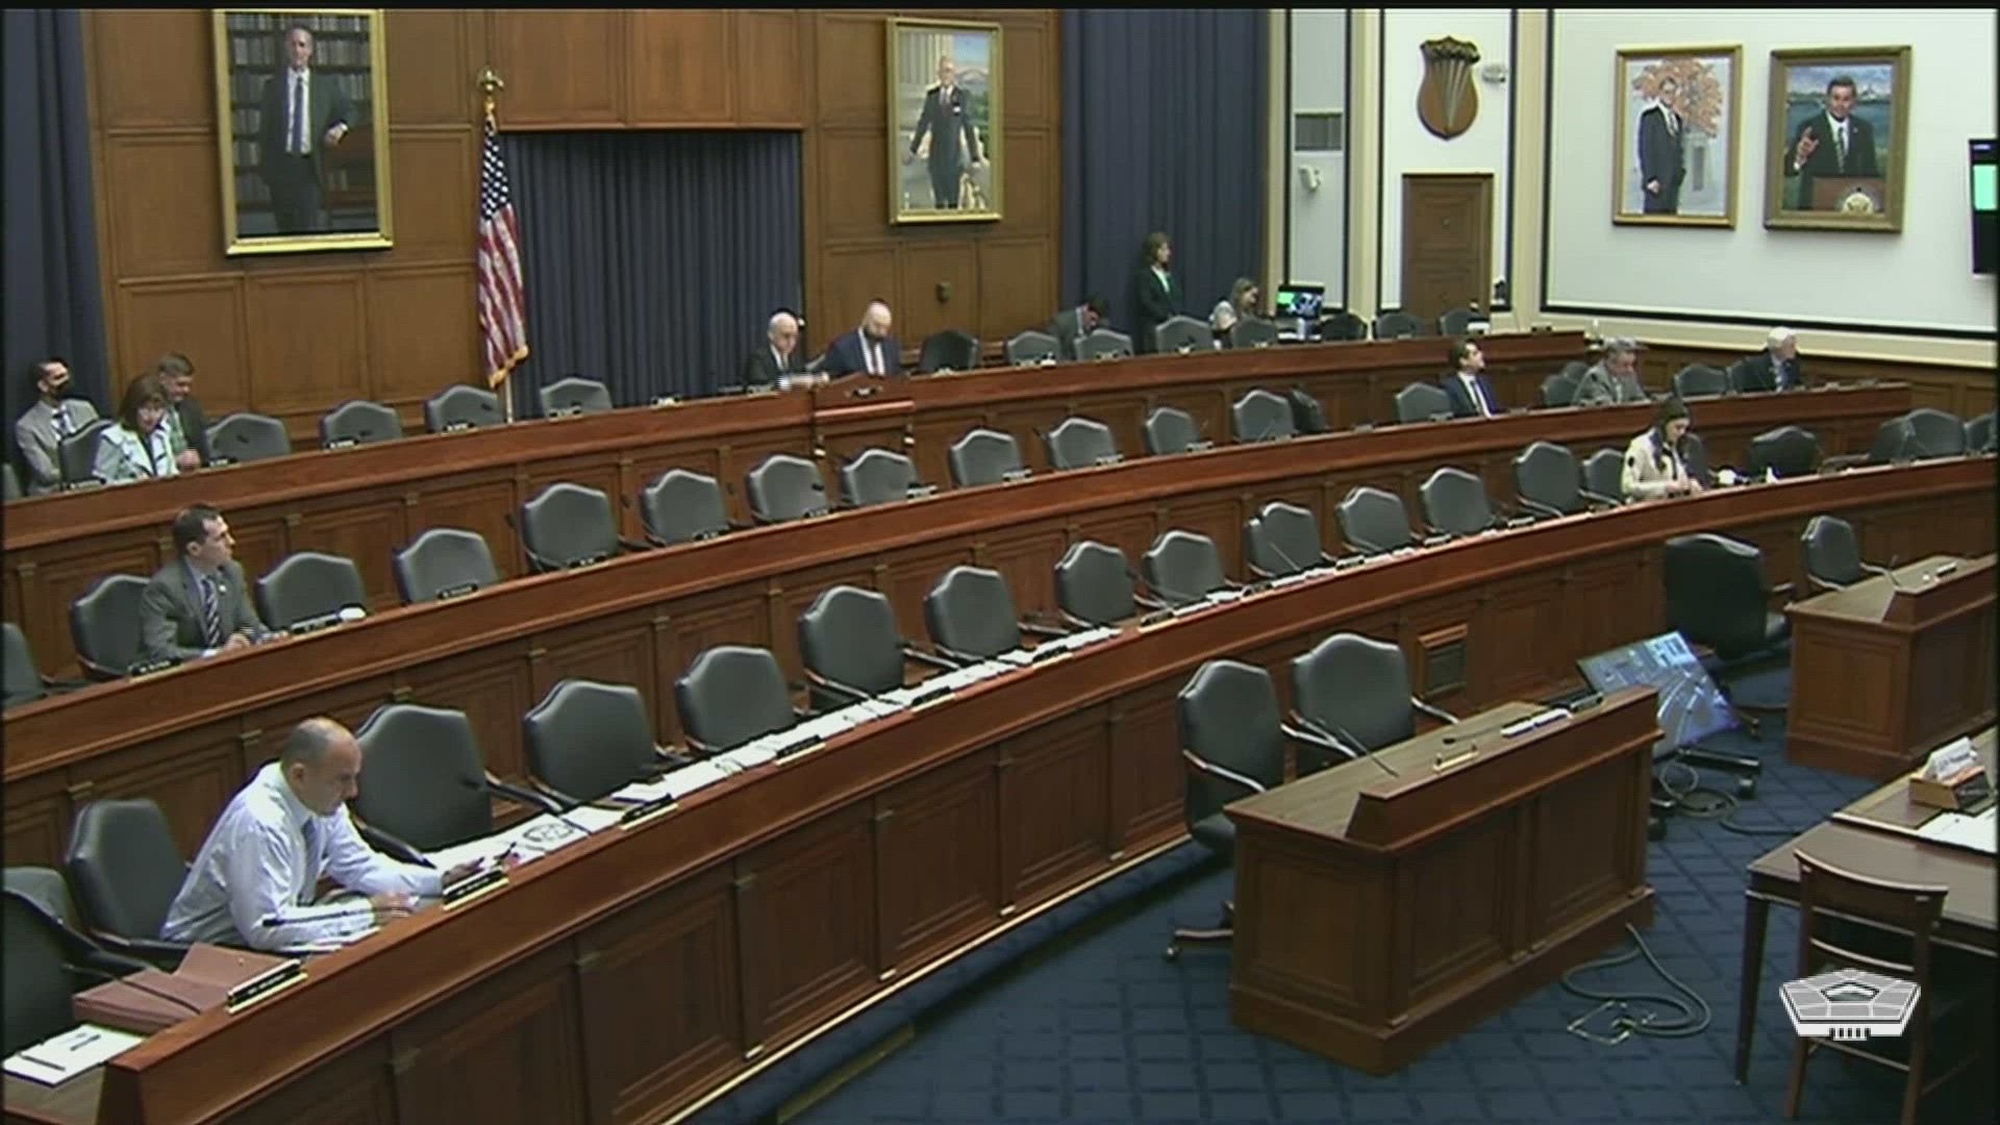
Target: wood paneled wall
[{"x": 294, "y": 335}]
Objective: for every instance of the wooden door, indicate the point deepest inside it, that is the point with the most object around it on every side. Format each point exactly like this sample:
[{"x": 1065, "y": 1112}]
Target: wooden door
[{"x": 1447, "y": 243}]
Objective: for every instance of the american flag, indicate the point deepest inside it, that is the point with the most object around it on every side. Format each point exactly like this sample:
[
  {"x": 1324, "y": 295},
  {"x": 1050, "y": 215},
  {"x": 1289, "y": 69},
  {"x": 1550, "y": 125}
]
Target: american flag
[{"x": 503, "y": 301}]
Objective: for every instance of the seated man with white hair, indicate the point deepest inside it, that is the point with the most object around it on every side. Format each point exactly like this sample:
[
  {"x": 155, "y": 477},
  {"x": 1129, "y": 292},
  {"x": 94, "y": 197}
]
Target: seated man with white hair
[
  {"x": 779, "y": 360},
  {"x": 1776, "y": 368}
]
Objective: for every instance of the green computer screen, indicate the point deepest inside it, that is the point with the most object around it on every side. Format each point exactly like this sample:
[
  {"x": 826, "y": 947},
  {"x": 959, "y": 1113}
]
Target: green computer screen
[{"x": 1985, "y": 187}]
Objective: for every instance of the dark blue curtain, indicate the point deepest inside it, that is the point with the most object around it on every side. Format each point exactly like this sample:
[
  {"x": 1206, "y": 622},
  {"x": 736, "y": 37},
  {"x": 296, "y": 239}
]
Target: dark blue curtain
[
  {"x": 1163, "y": 129},
  {"x": 652, "y": 260},
  {"x": 54, "y": 304}
]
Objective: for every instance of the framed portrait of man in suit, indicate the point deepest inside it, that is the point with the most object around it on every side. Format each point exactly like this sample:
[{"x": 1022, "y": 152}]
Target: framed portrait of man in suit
[
  {"x": 301, "y": 104},
  {"x": 1838, "y": 138},
  {"x": 1678, "y": 112},
  {"x": 944, "y": 121}
]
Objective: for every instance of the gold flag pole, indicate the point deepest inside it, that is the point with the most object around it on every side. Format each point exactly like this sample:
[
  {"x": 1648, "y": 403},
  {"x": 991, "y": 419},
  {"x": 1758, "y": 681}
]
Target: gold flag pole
[{"x": 490, "y": 85}]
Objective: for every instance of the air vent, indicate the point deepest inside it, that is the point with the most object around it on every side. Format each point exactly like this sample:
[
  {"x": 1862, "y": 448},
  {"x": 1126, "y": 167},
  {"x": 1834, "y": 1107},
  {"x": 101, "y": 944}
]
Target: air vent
[{"x": 1318, "y": 132}]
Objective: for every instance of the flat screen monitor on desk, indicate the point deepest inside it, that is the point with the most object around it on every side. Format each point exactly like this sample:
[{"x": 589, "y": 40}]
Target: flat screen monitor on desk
[
  {"x": 1691, "y": 705},
  {"x": 1302, "y": 302}
]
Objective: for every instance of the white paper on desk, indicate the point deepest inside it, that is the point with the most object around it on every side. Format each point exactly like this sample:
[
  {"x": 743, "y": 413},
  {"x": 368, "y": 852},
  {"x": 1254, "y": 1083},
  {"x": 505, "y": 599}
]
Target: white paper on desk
[
  {"x": 1960, "y": 830},
  {"x": 59, "y": 1058},
  {"x": 537, "y": 837},
  {"x": 328, "y": 945}
]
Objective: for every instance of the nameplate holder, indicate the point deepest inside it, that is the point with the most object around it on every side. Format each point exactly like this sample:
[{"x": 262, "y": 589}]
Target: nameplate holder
[
  {"x": 1046, "y": 361},
  {"x": 573, "y": 410},
  {"x": 1963, "y": 790},
  {"x": 1155, "y": 617},
  {"x": 87, "y": 485},
  {"x": 1349, "y": 562},
  {"x": 1444, "y": 762},
  {"x": 458, "y": 591},
  {"x": 919, "y": 491},
  {"x": 472, "y": 886},
  {"x": 220, "y": 462},
  {"x": 1441, "y": 416},
  {"x": 152, "y": 667},
  {"x": 1362, "y": 427},
  {"x": 1518, "y": 521},
  {"x": 271, "y": 981},
  {"x": 587, "y": 560},
  {"x": 1198, "y": 446},
  {"x": 313, "y": 624},
  {"x": 458, "y": 427},
  {"x": 343, "y": 443},
  {"x": 667, "y": 400},
  {"x": 1109, "y": 459},
  {"x": 1436, "y": 540},
  {"x": 798, "y": 749},
  {"x": 1012, "y": 475},
  {"x": 647, "y": 812}
]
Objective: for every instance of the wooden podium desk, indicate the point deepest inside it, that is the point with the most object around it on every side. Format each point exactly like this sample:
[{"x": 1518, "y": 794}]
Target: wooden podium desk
[
  {"x": 1378, "y": 916},
  {"x": 1889, "y": 667}
]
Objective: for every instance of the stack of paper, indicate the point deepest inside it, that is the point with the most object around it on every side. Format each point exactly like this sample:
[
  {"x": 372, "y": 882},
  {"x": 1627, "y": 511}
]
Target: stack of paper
[
  {"x": 1961, "y": 831},
  {"x": 58, "y": 1059}
]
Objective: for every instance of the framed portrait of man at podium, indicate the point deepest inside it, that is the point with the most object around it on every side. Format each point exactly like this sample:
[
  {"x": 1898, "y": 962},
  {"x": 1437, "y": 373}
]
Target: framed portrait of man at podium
[{"x": 1839, "y": 135}]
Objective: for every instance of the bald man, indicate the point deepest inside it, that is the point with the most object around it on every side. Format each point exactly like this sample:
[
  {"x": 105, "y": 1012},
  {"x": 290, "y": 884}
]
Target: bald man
[
  {"x": 253, "y": 882},
  {"x": 779, "y": 357},
  {"x": 869, "y": 349}
]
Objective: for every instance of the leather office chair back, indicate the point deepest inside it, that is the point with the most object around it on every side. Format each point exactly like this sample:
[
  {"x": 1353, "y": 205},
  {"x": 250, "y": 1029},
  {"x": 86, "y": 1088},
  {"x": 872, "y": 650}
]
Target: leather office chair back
[
  {"x": 1455, "y": 322},
  {"x": 970, "y": 614},
  {"x": 1604, "y": 474},
  {"x": 849, "y": 636},
  {"x": 1252, "y": 332},
  {"x": 359, "y": 422},
  {"x": 1308, "y": 414},
  {"x": 1261, "y": 416},
  {"x": 23, "y": 676},
  {"x": 1938, "y": 433},
  {"x": 1078, "y": 443},
  {"x": 1788, "y": 451},
  {"x": 1421, "y": 402},
  {"x": 1373, "y": 521},
  {"x": 1169, "y": 429},
  {"x": 567, "y": 525},
  {"x": 1282, "y": 539},
  {"x": 47, "y": 889},
  {"x": 1094, "y": 584},
  {"x": 423, "y": 777},
  {"x": 1182, "y": 567},
  {"x": 1228, "y": 716},
  {"x": 1182, "y": 334},
  {"x": 10, "y": 482},
  {"x": 1978, "y": 434},
  {"x": 1104, "y": 343},
  {"x": 575, "y": 393},
  {"x": 444, "y": 562},
  {"x": 39, "y": 990},
  {"x": 1716, "y": 594},
  {"x": 877, "y": 476},
  {"x": 586, "y": 740},
  {"x": 124, "y": 867},
  {"x": 947, "y": 351},
  {"x": 1397, "y": 326},
  {"x": 1699, "y": 379},
  {"x": 1032, "y": 347},
  {"x": 104, "y": 626},
  {"x": 1895, "y": 440},
  {"x": 1341, "y": 326},
  {"x": 733, "y": 694},
  {"x": 681, "y": 507},
  {"x": 76, "y": 455},
  {"x": 248, "y": 437},
  {"x": 462, "y": 407},
  {"x": 1546, "y": 477},
  {"x": 1833, "y": 556},
  {"x": 1455, "y": 502},
  {"x": 784, "y": 488},
  {"x": 1356, "y": 687},
  {"x": 1559, "y": 389},
  {"x": 983, "y": 456},
  {"x": 309, "y": 586}
]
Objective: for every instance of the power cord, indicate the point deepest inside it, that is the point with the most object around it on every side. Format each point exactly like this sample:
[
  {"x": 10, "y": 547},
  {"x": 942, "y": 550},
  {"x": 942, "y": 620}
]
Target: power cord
[
  {"x": 1671, "y": 1016},
  {"x": 1703, "y": 803}
]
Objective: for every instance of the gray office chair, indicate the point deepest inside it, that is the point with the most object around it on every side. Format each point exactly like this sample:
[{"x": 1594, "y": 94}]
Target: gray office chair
[
  {"x": 784, "y": 488},
  {"x": 1373, "y": 521},
  {"x": 1936, "y": 433},
  {"x": 730, "y": 695},
  {"x": 1604, "y": 477},
  {"x": 125, "y": 868},
  {"x": 1548, "y": 480},
  {"x": 1094, "y": 585},
  {"x": 852, "y": 649},
  {"x": 1261, "y": 416},
  {"x": 1559, "y": 389},
  {"x": 443, "y": 562},
  {"x": 1282, "y": 539},
  {"x": 567, "y": 526},
  {"x": 574, "y": 395},
  {"x": 462, "y": 407},
  {"x": 1397, "y": 326},
  {"x": 10, "y": 481},
  {"x": 358, "y": 423},
  {"x": 309, "y": 589},
  {"x": 1717, "y": 598},
  {"x": 1979, "y": 433},
  {"x": 1788, "y": 451},
  {"x": 1698, "y": 380},
  {"x": 1833, "y": 555},
  {"x": 424, "y": 784},
  {"x": 1340, "y": 326},
  {"x": 1354, "y": 692},
  {"x": 1455, "y": 503},
  {"x": 948, "y": 351},
  {"x": 1182, "y": 334},
  {"x": 1104, "y": 343},
  {"x": 24, "y": 680},
  {"x": 878, "y": 476},
  {"x": 683, "y": 506},
  {"x": 1252, "y": 332},
  {"x": 1079, "y": 443},
  {"x": 1169, "y": 429},
  {"x": 1308, "y": 413},
  {"x": 104, "y": 626},
  {"x": 247, "y": 437},
  {"x": 1032, "y": 347},
  {"x": 985, "y": 456},
  {"x": 586, "y": 740},
  {"x": 46, "y": 963},
  {"x": 1422, "y": 402},
  {"x": 970, "y": 616},
  {"x": 76, "y": 455},
  {"x": 1456, "y": 322},
  {"x": 1182, "y": 567}
]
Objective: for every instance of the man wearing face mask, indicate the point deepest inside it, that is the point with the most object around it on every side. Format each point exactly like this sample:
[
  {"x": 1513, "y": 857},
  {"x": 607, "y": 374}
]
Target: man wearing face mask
[
  {"x": 869, "y": 349},
  {"x": 43, "y": 426}
]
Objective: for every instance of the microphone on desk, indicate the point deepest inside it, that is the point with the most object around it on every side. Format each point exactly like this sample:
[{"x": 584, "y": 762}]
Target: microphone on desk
[{"x": 1345, "y": 741}]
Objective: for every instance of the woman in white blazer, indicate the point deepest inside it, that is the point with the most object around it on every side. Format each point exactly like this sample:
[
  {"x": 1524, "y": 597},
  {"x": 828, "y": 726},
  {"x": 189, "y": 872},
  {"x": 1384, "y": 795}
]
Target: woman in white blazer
[
  {"x": 138, "y": 447},
  {"x": 1653, "y": 464}
]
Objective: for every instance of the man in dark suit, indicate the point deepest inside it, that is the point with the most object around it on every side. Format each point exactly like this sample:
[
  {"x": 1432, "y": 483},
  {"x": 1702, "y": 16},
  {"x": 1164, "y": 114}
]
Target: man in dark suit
[
  {"x": 868, "y": 349},
  {"x": 187, "y": 425},
  {"x": 779, "y": 358},
  {"x": 1776, "y": 368},
  {"x": 1662, "y": 153},
  {"x": 1071, "y": 325},
  {"x": 954, "y": 141},
  {"x": 1832, "y": 142},
  {"x": 199, "y": 604},
  {"x": 1470, "y": 394},
  {"x": 304, "y": 113}
]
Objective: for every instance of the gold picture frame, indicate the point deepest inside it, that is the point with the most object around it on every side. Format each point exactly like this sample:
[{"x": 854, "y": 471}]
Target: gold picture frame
[
  {"x": 1679, "y": 113},
  {"x": 304, "y": 167},
  {"x": 931, "y": 182},
  {"x": 1852, "y": 179}
]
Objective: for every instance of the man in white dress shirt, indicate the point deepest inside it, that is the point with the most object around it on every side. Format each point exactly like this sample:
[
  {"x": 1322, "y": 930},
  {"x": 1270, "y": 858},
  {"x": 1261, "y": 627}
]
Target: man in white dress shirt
[{"x": 254, "y": 880}]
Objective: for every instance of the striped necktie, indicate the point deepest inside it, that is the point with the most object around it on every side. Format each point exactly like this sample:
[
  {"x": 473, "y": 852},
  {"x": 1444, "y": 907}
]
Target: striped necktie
[
  {"x": 62, "y": 419},
  {"x": 211, "y": 615},
  {"x": 309, "y": 831}
]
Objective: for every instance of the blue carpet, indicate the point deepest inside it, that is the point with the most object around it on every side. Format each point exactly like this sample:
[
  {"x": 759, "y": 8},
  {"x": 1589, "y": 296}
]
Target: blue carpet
[{"x": 1104, "y": 1030}]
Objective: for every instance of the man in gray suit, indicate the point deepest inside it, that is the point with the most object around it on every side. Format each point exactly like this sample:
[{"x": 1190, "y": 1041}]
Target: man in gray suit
[
  {"x": 1615, "y": 378},
  {"x": 1071, "y": 325},
  {"x": 199, "y": 604},
  {"x": 43, "y": 426}
]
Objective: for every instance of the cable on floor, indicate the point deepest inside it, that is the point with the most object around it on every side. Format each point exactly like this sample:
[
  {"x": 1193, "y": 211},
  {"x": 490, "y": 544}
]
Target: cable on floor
[
  {"x": 1703, "y": 803},
  {"x": 1670, "y": 1017}
]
